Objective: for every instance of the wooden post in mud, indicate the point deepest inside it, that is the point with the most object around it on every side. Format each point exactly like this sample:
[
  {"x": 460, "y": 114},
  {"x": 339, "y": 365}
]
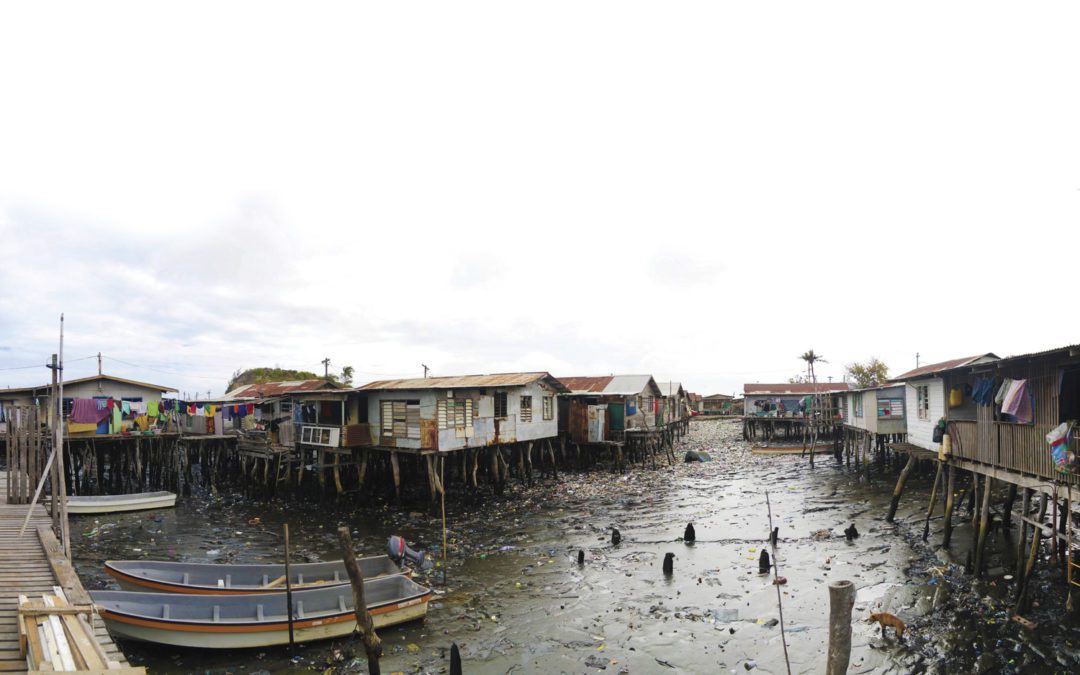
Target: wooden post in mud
[
  {"x": 1021, "y": 541},
  {"x": 1036, "y": 535},
  {"x": 899, "y": 489},
  {"x": 1006, "y": 515},
  {"x": 950, "y": 503},
  {"x": 933, "y": 502},
  {"x": 364, "y": 624},
  {"x": 396, "y": 469},
  {"x": 984, "y": 525},
  {"x": 841, "y": 601}
]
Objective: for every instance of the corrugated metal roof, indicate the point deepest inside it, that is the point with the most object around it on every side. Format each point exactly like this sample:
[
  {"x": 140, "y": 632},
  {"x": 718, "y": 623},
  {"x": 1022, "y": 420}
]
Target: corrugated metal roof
[
  {"x": 464, "y": 381},
  {"x": 614, "y": 385},
  {"x": 819, "y": 388},
  {"x": 592, "y": 385},
  {"x": 632, "y": 385},
  {"x": 932, "y": 368},
  {"x": 95, "y": 378},
  {"x": 669, "y": 388},
  {"x": 720, "y": 396},
  {"x": 278, "y": 388}
]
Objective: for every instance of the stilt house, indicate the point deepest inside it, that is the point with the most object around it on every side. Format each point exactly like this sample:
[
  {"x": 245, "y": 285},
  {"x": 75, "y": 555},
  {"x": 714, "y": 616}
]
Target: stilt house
[
  {"x": 468, "y": 411},
  {"x": 604, "y": 408},
  {"x": 926, "y": 398}
]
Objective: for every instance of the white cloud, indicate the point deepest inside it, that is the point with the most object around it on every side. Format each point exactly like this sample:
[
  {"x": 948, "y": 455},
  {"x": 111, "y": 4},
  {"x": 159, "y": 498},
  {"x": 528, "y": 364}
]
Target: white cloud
[{"x": 701, "y": 191}]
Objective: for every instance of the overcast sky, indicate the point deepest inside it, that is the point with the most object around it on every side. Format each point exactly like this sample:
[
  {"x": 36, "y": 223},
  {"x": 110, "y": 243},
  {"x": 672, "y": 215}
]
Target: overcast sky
[{"x": 701, "y": 191}]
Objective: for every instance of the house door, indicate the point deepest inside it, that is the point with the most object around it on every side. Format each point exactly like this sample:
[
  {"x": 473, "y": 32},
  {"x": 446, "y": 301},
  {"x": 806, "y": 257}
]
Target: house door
[{"x": 617, "y": 415}]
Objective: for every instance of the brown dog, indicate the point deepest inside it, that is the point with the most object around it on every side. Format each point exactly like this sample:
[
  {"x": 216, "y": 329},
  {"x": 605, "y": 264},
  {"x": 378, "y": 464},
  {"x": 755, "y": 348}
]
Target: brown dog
[{"x": 886, "y": 619}]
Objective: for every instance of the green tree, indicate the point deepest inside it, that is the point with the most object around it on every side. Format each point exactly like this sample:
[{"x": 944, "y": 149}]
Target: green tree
[{"x": 869, "y": 374}]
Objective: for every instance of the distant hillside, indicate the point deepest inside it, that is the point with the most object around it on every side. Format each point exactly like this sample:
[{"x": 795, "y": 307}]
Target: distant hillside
[{"x": 264, "y": 375}]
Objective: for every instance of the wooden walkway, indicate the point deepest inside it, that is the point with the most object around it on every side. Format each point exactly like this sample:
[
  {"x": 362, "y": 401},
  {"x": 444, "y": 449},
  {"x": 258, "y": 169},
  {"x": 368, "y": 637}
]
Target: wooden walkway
[{"x": 31, "y": 565}]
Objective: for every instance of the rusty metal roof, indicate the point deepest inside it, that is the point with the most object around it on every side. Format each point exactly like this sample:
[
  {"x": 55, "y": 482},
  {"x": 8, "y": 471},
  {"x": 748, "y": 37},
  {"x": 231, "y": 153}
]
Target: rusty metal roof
[
  {"x": 465, "y": 381},
  {"x": 278, "y": 388},
  {"x": 612, "y": 385},
  {"x": 593, "y": 385},
  {"x": 932, "y": 368},
  {"x": 795, "y": 389}
]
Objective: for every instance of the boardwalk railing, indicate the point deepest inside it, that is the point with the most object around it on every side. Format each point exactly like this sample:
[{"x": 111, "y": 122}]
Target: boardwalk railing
[{"x": 1016, "y": 447}]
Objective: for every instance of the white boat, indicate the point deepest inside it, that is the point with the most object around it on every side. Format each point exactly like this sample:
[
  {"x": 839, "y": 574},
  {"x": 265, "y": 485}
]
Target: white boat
[
  {"x": 215, "y": 579},
  {"x": 116, "y": 503},
  {"x": 240, "y": 621}
]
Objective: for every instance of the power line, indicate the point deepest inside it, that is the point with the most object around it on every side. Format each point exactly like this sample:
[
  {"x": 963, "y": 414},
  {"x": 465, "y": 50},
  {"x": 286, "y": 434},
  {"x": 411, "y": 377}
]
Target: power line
[
  {"x": 44, "y": 365},
  {"x": 158, "y": 370}
]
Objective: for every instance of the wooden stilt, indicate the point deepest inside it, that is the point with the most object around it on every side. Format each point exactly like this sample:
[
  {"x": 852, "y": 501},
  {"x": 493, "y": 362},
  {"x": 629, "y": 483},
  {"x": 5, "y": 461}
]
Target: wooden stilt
[
  {"x": 396, "y": 469},
  {"x": 1029, "y": 567},
  {"x": 899, "y": 489},
  {"x": 1006, "y": 515},
  {"x": 933, "y": 502},
  {"x": 949, "y": 504},
  {"x": 984, "y": 524},
  {"x": 1021, "y": 541}
]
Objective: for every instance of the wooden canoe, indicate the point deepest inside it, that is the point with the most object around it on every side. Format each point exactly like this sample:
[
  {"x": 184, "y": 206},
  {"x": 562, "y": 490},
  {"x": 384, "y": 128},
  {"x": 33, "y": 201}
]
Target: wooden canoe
[
  {"x": 239, "y": 621},
  {"x": 211, "y": 579},
  {"x": 117, "y": 503}
]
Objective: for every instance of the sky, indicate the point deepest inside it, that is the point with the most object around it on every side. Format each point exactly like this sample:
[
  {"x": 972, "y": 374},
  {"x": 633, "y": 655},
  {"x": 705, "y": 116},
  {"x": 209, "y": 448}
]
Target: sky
[{"x": 702, "y": 191}]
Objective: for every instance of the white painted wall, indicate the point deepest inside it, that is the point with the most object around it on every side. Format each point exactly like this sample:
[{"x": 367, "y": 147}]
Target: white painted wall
[
  {"x": 109, "y": 388},
  {"x": 510, "y": 429},
  {"x": 921, "y": 431}
]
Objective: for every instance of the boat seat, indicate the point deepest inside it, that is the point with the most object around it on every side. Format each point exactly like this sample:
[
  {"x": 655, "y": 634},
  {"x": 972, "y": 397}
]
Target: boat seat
[
  {"x": 187, "y": 578},
  {"x": 228, "y": 581},
  {"x": 341, "y": 602},
  {"x": 337, "y": 576},
  {"x": 165, "y": 611},
  {"x": 299, "y": 579},
  {"x": 259, "y": 612},
  {"x": 217, "y": 613},
  {"x": 266, "y": 579},
  {"x": 299, "y": 609}
]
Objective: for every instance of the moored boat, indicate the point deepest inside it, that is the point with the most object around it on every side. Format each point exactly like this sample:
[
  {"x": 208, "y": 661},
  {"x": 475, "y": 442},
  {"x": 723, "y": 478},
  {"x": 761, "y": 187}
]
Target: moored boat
[
  {"x": 261, "y": 620},
  {"x": 116, "y": 503},
  {"x": 214, "y": 579}
]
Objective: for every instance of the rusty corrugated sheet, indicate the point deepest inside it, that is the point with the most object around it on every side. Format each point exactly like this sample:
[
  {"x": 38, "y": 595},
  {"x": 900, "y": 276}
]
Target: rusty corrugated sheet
[
  {"x": 463, "y": 381},
  {"x": 932, "y": 368},
  {"x": 268, "y": 389},
  {"x": 587, "y": 384}
]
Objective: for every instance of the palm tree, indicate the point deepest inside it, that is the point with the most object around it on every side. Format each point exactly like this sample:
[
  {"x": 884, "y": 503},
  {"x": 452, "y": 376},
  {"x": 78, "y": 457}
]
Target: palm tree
[{"x": 815, "y": 403}]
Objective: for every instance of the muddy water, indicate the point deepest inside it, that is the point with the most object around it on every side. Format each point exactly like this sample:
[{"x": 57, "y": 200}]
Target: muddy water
[{"x": 517, "y": 601}]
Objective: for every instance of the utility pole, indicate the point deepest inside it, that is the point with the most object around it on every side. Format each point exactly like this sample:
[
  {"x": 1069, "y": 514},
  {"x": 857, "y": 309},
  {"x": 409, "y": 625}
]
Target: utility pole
[
  {"x": 326, "y": 367},
  {"x": 426, "y": 369},
  {"x": 99, "y": 364},
  {"x": 916, "y": 359}
]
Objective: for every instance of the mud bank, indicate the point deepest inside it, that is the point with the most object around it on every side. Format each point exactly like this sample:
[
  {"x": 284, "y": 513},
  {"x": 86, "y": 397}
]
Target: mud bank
[{"x": 516, "y": 599}]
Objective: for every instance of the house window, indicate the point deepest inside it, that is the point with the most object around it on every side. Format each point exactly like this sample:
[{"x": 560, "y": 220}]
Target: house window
[
  {"x": 526, "y": 408},
  {"x": 549, "y": 407},
  {"x": 500, "y": 404},
  {"x": 400, "y": 419},
  {"x": 890, "y": 408},
  {"x": 456, "y": 415},
  {"x": 857, "y": 402},
  {"x": 286, "y": 407},
  {"x": 922, "y": 401}
]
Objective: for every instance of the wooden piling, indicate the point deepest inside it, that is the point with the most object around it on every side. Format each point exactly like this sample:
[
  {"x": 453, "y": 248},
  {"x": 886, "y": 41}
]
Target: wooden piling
[
  {"x": 364, "y": 624},
  {"x": 1021, "y": 541},
  {"x": 984, "y": 524},
  {"x": 933, "y": 502},
  {"x": 899, "y": 489},
  {"x": 1036, "y": 535},
  {"x": 950, "y": 503},
  {"x": 841, "y": 601}
]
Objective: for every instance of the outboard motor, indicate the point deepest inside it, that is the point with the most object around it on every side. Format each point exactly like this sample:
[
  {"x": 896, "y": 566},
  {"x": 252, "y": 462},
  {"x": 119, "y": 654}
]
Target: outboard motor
[{"x": 399, "y": 551}]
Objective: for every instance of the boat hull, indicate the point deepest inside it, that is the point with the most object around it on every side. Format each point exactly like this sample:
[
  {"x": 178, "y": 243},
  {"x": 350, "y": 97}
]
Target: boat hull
[
  {"x": 303, "y": 631},
  {"x": 228, "y": 622},
  {"x": 211, "y": 579},
  {"x": 120, "y": 503}
]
